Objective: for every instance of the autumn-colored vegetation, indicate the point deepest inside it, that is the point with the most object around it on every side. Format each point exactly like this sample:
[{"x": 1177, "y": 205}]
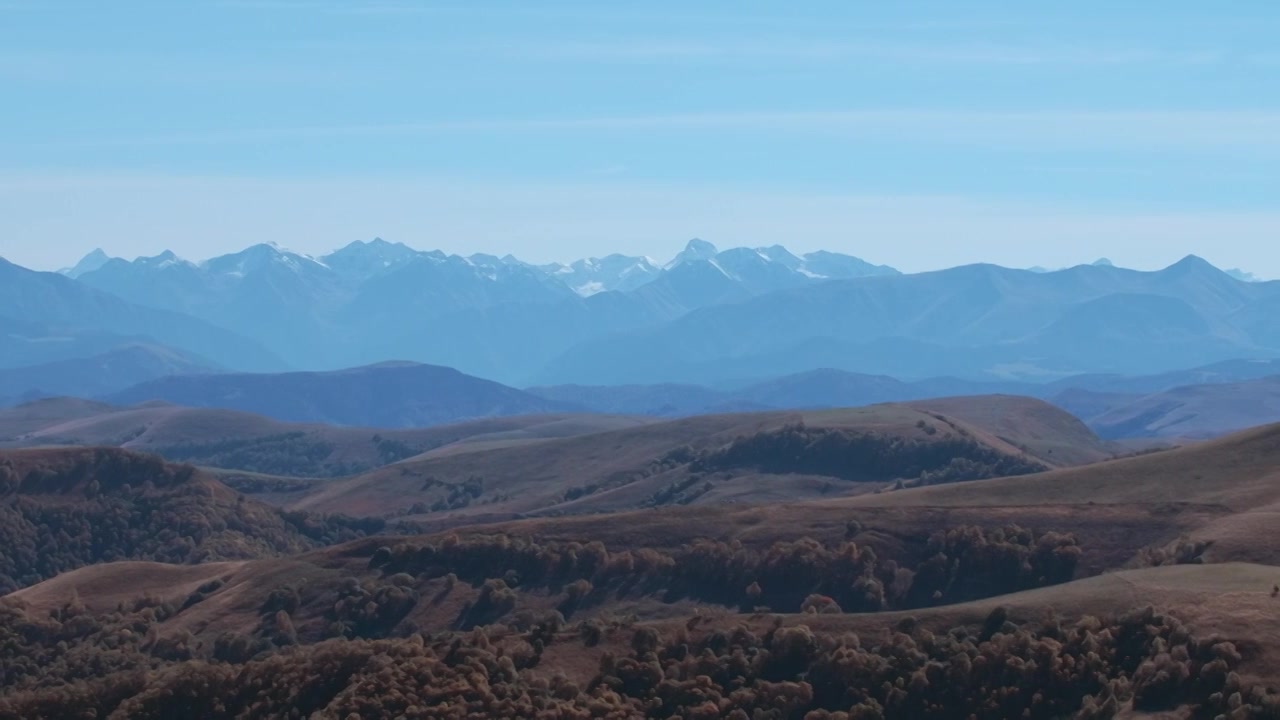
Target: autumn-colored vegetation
[
  {"x": 72, "y": 664},
  {"x": 960, "y": 564},
  {"x": 62, "y": 511}
]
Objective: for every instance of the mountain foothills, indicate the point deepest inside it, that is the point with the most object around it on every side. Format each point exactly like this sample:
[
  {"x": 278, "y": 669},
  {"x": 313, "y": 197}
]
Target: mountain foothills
[
  {"x": 706, "y": 317},
  {"x": 239, "y": 441},
  {"x": 742, "y": 484},
  {"x": 1127, "y": 587}
]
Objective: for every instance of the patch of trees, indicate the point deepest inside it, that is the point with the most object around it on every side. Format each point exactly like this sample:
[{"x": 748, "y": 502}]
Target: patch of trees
[
  {"x": 391, "y": 450},
  {"x": 1182, "y": 551},
  {"x": 83, "y": 507},
  {"x": 119, "y": 665},
  {"x": 258, "y": 485},
  {"x": 297, "y": 454},
  {"x": 960, "y": 564},
  {"x": 862, "y": 456}
]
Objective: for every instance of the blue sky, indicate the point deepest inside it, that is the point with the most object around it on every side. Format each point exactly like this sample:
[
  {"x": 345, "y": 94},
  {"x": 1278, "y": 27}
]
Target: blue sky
[{"x": 919, "y": 134}]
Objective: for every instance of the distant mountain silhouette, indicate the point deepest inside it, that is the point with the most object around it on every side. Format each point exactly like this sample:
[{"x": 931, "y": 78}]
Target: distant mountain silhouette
[
  {"x": 388, "y": 395},
  {"x": 973, "y": 321},
  {"x": 493, "y": 316},
  {"x": 98, "y": 375},
  {"x": 88, "y": 263},
  {"x": 1193, "y": 411},
  {"x": 707, "y": 317},
  {"x": 612, "y": 272},
  {"x": 1203, "y": 402},
  {"x": 47, "y": 317}
]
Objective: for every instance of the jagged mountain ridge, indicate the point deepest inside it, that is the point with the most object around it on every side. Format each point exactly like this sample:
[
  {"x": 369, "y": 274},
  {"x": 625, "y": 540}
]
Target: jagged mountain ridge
[
  {"x": 710, "y": 317},
  {"x": 47, "y": 317},
  {"x": 978, "y": 321},
  {"x": 352, "y": 306}
]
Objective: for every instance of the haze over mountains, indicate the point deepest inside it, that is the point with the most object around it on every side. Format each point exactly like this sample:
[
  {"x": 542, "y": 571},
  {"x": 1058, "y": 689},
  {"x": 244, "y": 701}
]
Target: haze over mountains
[
  {"x": 389, "y": 395},
  {"x": 708, "y": 331},
  {"x": 47, "y": 317},
  {"x": 706, "y": 317}
]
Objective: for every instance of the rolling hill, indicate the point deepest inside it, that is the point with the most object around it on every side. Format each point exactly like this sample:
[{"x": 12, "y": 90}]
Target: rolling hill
[
  {"x": 1199, "y": 403},
  {"x": 1007, "y": 573},
  {"x": 717, "y": 460},
  {"x": 389, "y": 395},
  {"x": 233, "y": 440},
  {"x": 98, "y": 375},
  {"x": 1193, "y": 411}
]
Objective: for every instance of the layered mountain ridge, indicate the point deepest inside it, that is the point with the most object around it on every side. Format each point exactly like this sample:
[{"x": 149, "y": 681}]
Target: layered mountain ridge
[{"x": 708, "y": 317}]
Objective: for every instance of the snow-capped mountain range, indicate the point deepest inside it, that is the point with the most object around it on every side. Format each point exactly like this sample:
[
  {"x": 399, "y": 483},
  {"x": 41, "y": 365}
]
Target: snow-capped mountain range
[
  {"x": 705, "y": 316},
  {"x": 374, "y": 300},
  {"x": 760, "y": 269}
]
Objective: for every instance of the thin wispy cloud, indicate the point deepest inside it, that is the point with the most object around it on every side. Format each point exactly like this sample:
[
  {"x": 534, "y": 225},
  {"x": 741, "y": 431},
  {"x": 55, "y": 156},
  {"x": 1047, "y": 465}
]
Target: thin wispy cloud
[
  {"x": 351, "y": 7},
  {"x": 1093, "y": 128},
  {"x": 783, "y": 49}
]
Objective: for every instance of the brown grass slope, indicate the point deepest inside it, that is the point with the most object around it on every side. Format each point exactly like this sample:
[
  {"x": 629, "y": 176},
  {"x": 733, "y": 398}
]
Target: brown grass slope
[
  {"x": 242, "y": 441},
  {"x": 1239, "y": 472},
  {"x": 1057, "y": 438},
  {"x": 33, "y": 416},
  {"x": 1115, "y": 509},
  {"x": 1232, "y": 484},
  {"x": 673, "y": 463}
]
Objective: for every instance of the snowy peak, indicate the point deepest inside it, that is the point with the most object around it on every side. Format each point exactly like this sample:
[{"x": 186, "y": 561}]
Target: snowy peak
[
  {"x": 616, "y": 272},
  {"x": 782, "y": 256},
  {"x": 263, "y": 257},
  {"x": 158, "y": 262},
  {"x": 1193, "y": 265},
  {"x": 835, "y": 266},
  {"x": 93, "y": 261},
  {"x": 696, "y": 249},
  {"x": 756, "y": 270},
  {"x": 360, "y": 260},
  {"x": 766, "y": 269}
]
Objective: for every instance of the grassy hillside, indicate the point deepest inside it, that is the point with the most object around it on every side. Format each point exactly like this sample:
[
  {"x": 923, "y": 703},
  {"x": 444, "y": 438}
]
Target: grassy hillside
[
  {"x": 657, "y": 612},
  {"x": 1120, "y": 588},
  {"x": 393, "y": 395},
  {"x": 719, "y": 459},
  {"x": 1238, "y": 472},
  {"x": 255, "y": 444},
  {"x": 1056, "y": 438}
]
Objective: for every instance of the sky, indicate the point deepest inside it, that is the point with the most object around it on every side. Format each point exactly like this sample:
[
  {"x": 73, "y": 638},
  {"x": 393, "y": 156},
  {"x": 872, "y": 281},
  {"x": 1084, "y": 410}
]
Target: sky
[{"x": 918, "y": 134}]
